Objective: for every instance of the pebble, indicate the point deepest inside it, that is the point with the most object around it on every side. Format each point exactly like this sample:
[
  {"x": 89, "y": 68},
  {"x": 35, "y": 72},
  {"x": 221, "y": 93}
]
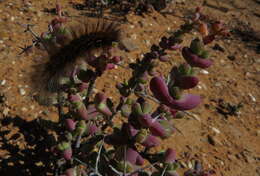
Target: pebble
[
  {"x": 12, "y": 18},
  {"x": 132, "y": 26},
  {"x": 115, "y": 77},
  {"x": 129, "y": 45},
  {"x": 22, "y": 91},
  {"x": 213, "y": 140},
  {"x": 147, "y": 42},
  {"x": 132, "y": 60},
  {"x": 32, "y": 107},
  {"x": 190, "y": 165},
  {"x": 6, "y": 111},
  {"x": 204, "y": 72},
  {"x": 3, "y": 82},
  {"x": 215, "y": 130},
  {"x": 218, "y": 84},
  {"x": 24, "y": 109},
  {"x": 252, "y": 97},
  {"x": 134, "y": 36},
  {"x": 1, "y": 41},
  {"x": 95, "y": 90}
]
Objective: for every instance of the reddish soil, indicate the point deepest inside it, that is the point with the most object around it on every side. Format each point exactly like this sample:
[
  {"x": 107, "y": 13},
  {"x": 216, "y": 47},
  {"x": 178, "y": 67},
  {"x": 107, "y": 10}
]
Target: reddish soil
[{"x": 234, "y": 145}]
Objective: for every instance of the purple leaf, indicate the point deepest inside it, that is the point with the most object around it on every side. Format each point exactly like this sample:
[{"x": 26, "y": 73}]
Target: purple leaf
[
  {"x": 151, "y": 141},
  {"x": 70, "y": 124},
  {"x": 194, "y": 60},
  {"x": 169, "y": 155},
  {"x": 145, "y": 120},
  {"x": 67, "y": 153},
  {"x": 186, "y": 102},
  {"x": 157, "y": 129},
  {"x": 161, "y": 92},
  {"x": 71, "y": 172},
  {"x": 134, "y": 157},
  {"x": 187, "y": 82}
]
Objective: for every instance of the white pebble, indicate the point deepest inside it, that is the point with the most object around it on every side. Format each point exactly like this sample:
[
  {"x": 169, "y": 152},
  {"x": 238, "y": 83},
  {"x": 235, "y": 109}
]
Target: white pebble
[
  {"x": 3, "y": 82},
  {"x": 147, "y": 42},
  {"x": 132, "y": 26},
  {"x": 6, "y": 111},
  {"x": 134, "y": 36},
  {"x": 12, "y": 18},
  {"x": 204, "y": 72},
  {"x": 252, "y": 97},
  {"x": 95, "y": 90},
  {"x": 199, "y": 87},
  {"x": 131, "y": 60},
  {"x": 215, "y": 130},
  {"x": 32, "y": 107},
  {"x": 13, "y": 62},
  {"x": 24, "y": 109},
  {"x": 22, "y": 91},
  {"x": 115, "y": 77},
  {"x": 1, "y": 41}
]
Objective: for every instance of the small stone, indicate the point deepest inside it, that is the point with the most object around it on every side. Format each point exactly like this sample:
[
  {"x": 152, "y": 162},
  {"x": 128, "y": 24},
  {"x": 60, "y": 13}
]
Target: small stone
[
  {"x": 22, "y": 91},
  {"x": 232, "y": 58},
  {"x": 219, "y": 48},
  {"x": 115, "y": 77},
  {"x": 129, "y": 45},
  {"x": 131, "y": 60},
  {"x": 32, "y": 107},
  {"x": 6, "y": 111},
  {"x": 204, "y": 72},
  {"x": 3, "y": 82},
  {"x": 147, "y": 42},
  {"x": 1, "y": 41},
  {"x": 134, "y": 36},
  {"x": 218, "y": 84},
  {"x": 252, "y": 97},
  {"x": 215, "y": 130},
  {"x": 95, "y": 90},
  {"x": 12, "y": 18},
  {"x": 190, "y": 165},
  {"x": 24, "y": 109},
  {"x": 213, "y": 140}
]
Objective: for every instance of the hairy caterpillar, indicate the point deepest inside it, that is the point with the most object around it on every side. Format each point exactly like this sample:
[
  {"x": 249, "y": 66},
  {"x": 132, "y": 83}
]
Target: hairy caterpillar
[{"x": 73, "y": 45}]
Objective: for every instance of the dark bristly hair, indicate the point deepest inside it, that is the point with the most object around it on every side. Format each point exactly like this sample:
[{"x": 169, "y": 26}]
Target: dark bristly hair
[{"x": 83, "y": 38}]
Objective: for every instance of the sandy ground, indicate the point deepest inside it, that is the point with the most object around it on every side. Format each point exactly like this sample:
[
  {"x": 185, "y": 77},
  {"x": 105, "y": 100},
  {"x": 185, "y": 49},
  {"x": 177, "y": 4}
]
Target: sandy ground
[{"x": 234, "y": 78}]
